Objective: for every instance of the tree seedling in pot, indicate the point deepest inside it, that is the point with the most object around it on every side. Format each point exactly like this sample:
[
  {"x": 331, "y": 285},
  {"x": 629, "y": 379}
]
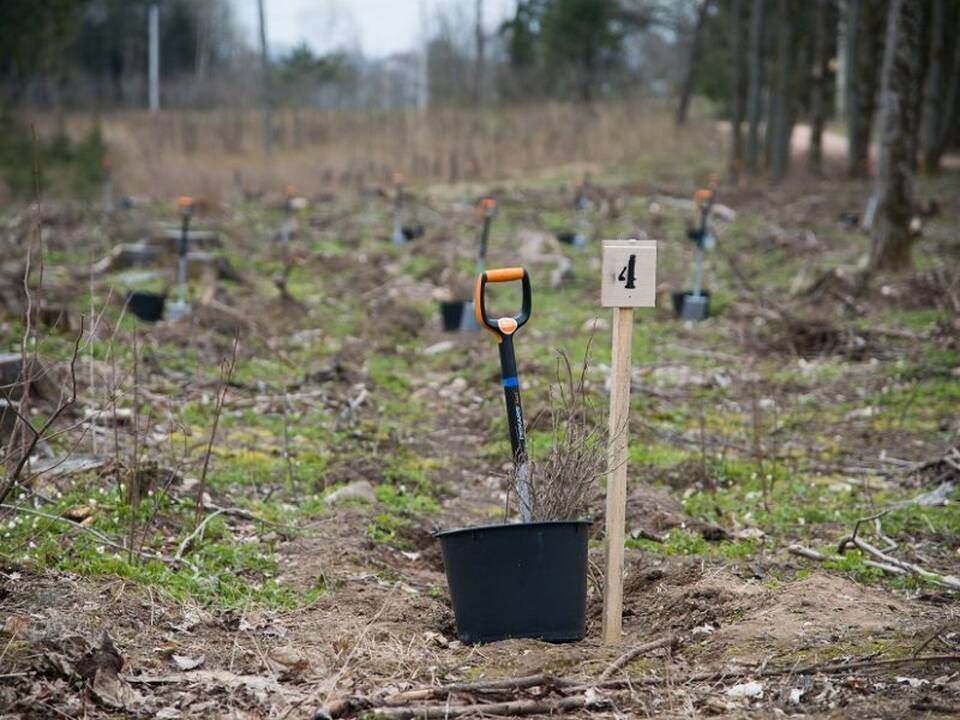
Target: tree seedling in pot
[
  {"x": 460, "y": 315},
  {"x": 153, "y": 307},
  {"x": 291, "y": 204},
  {"x": 526, "y": 579},
  {"x": 695, "y": 305},
  {"x": 402, "y": 234}
]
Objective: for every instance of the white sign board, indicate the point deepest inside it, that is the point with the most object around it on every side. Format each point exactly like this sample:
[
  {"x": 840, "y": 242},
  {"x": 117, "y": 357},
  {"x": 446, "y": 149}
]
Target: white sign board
[{"x": 629, "y": 273}]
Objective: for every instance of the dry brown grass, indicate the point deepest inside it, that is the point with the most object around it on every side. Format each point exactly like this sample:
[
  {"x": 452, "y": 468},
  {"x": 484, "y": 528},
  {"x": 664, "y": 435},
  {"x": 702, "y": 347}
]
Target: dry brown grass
[{"x": 216, "y": 154}]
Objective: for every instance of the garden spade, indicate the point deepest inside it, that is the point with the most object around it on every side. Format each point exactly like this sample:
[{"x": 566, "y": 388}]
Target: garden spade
[
  {"x": 695, "y": 305},
  {"x": 398, "y": 237},
  {"x": 487, "y": 209},
  {"x": 503, "y": 330},
  {"x": 702, "y": 237},
  {"x": 180, "y": 306}
]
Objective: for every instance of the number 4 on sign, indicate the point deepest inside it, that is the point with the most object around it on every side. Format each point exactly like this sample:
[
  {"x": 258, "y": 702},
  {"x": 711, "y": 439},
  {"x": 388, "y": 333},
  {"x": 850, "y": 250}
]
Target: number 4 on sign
[
  {"x": 628, "y": 276},
  {"x": 629, "y": 281},
  {"x": 629, "y": 273}
]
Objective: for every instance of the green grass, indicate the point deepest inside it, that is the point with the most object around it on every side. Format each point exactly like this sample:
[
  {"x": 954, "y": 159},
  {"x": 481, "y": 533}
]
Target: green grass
[
  {"x": 685, "y": 542},
  {"x": 229, "y": 573}
]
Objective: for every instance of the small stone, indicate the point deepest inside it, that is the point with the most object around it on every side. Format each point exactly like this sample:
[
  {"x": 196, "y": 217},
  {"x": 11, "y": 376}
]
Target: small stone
[
  {"x": 440, "y": 347},
  {"x": 751, "y": 689},
  {"x": 184, "y": 662}
]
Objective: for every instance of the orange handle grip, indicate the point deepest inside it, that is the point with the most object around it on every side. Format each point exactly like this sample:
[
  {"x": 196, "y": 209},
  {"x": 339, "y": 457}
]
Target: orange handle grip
[
  {"x": 702, "y": 196},
  {"x": 505, "y": 274},
  {"x": 184, "y": 202}
]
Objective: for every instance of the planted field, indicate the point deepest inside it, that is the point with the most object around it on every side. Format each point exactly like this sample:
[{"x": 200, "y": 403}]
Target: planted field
[{"x": 234, "y": 518}]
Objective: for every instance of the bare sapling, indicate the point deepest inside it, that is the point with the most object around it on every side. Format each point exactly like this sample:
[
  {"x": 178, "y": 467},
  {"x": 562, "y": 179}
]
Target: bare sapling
[
  {"x": 17, "y": 456},
  {"x": 226, "y": 375},
  {"x": 561, "y": 483}
]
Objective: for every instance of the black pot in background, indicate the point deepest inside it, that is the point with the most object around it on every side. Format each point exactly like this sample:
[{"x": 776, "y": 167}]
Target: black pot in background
[
  {"x": 686, "y": 312},
  {"x": 458, "y": 316},
  {"x": 570, "y": 238},
  {"x": 519, "y": 580},
  {"x": 147, "y": 306},
  {"x": 452, "y": 315}
]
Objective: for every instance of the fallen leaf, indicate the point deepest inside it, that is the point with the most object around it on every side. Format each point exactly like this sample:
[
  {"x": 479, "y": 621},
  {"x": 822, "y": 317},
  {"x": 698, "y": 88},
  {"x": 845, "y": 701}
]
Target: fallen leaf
[
  {"x": 105, "y": 656},
  {"x": 110, "y": 690},
  {"x": 77, "y": 513},
  {"x": 16, "y": 627}
]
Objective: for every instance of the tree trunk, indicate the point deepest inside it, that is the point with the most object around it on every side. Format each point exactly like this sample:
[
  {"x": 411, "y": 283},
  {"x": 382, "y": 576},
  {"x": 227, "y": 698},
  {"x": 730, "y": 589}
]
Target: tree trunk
[
  {"x": 737, "y": 92},
  {"x": 948, "y": 127},
  {"x": 478, "y": 66},
  {"x": 781, "y": 100},
  {"x": 840, "y": 77},
  {"x": 818, "y": 80},
  {"x": 893, "y": 193},
  {"x": 266, "y": 120},
  {"x": 925, "y": 34},
  {"x": 864, "y": 61},
  {"x": 933, "y": 92},
  {"x": 940, "y": 91},
  {"x": 755, "y": 99},
  {"x": 696, "y": 50}
]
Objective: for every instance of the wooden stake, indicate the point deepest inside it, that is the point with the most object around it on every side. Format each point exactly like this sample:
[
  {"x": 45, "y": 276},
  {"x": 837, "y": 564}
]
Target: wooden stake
[
  {"x": 617, "y": 474},
  {"x": 628, "y": 280}
]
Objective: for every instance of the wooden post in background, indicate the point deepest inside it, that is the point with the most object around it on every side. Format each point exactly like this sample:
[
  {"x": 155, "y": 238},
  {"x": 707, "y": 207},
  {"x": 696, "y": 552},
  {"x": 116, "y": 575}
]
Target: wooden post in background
[{"x": 629, "y": 281}]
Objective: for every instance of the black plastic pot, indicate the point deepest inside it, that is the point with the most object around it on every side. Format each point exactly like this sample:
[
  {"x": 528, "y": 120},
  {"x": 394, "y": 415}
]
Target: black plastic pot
[
  {"x": 570, "y": 238},
  {"x": 147, "y": 306},
  {"x": 518, "y": 581},
  {"x": 458, "y": 316},
  {"x": 686, "y": 312},
  {"x": 452, "y": 315}
]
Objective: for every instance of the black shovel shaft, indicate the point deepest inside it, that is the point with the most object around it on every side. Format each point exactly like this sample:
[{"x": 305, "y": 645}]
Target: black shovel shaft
[
  {"x": 184, "y": 235},
  {"x": 484, "y": 237},
  {"x": 511, "y": 394}
]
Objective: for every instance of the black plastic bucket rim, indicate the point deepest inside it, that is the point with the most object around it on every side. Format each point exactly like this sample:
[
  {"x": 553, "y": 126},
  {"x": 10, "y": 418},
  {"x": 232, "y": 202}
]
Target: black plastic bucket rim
[
  {"x": 518, "y": 580},
  {"x": 494, "y": 526}
]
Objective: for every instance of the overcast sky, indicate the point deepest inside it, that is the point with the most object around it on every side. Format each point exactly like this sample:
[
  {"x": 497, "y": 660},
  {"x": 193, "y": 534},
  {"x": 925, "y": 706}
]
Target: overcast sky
[{"x": 377, "y": 27}]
